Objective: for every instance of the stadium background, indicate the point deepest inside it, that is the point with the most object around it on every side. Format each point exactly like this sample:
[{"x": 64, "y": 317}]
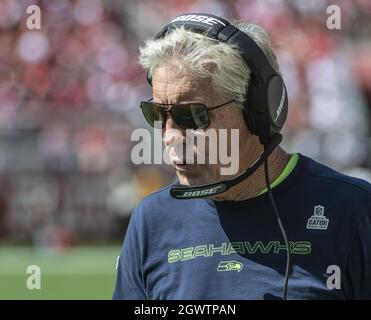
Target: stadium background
[{"x": 69, "y": 97}]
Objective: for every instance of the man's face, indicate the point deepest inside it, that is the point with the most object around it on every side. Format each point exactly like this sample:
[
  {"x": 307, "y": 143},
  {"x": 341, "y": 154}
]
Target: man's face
[{"x": 173, "y": 86}]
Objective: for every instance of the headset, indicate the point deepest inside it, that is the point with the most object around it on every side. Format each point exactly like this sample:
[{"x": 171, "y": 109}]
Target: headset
[{"x": 265, "y": 105}]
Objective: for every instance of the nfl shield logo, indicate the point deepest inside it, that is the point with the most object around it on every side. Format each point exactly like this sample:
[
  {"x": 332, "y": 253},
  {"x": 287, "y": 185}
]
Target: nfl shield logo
[
  {"x": 318, "y": 221},
  {"x": 319, "y": 210}
]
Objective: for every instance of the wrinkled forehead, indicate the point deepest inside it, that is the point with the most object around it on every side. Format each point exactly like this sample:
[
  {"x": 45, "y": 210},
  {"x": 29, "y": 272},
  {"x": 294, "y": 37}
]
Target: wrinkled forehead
[{"x": 174, "y": 83}]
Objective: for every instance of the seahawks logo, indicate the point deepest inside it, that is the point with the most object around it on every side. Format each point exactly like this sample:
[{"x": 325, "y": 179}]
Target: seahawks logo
[{"x": 230, "y": 266}]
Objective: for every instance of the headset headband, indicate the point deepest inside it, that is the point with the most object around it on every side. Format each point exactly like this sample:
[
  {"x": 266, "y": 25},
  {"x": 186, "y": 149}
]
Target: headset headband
[
  {"x": 266, "y": 101},
  {"x": 219, "y": 29}
]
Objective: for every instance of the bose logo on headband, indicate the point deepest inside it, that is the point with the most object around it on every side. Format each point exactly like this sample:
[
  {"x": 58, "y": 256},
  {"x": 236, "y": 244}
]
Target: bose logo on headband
[{"x": 196, "y": 18}]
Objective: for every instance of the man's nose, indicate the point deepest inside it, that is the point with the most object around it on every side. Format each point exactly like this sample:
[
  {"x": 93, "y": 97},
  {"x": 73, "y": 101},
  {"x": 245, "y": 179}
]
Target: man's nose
[{"x": 172, "y": 133}]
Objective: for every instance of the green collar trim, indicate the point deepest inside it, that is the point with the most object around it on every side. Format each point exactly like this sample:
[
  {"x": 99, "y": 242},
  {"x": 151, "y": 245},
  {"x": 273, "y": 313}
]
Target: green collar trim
[{"x": 284, "y": 174}]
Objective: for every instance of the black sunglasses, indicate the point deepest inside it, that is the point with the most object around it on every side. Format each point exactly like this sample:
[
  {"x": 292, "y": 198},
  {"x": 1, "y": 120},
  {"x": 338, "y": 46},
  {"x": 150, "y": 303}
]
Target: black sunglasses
[{"x": 187, "y": 115}]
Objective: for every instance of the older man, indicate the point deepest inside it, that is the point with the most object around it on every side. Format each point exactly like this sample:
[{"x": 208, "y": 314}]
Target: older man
[{"x": 215, "y": 236}]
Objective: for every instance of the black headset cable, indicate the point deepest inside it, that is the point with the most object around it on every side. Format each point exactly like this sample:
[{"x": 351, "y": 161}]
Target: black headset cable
[{"x": 288, "y": 259}]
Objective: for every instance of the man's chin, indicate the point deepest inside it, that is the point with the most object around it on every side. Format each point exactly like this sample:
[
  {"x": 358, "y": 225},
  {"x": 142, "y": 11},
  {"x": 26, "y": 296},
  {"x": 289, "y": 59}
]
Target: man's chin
[{"x": 192, "y": 178}]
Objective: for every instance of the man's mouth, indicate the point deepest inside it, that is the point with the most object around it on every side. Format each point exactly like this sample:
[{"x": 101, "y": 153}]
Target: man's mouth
[
  {"x": 181, "y": 166},
  {"x": 179, "y": 162}
]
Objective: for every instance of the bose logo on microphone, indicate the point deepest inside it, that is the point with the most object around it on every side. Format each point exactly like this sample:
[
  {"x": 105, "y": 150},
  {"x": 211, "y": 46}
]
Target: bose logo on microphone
[
  {"x": 198, "y": 193},
  {"x": 204, "y": 19}
]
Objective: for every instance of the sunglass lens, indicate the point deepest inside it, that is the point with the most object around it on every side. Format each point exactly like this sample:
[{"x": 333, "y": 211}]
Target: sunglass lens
[
  {"x": 200, "y": 116},
  {"x": 190, "y": 116},
  {"x": 152, "y": 113}
]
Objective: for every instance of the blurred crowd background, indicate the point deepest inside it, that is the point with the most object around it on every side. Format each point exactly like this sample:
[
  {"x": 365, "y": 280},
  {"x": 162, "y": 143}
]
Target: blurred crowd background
[{"x": 69, "y": 96}]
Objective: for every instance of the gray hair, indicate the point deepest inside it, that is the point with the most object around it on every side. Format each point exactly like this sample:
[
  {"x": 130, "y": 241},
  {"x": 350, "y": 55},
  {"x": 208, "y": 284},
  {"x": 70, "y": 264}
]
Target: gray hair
[{"x": 204, "y": 57}]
